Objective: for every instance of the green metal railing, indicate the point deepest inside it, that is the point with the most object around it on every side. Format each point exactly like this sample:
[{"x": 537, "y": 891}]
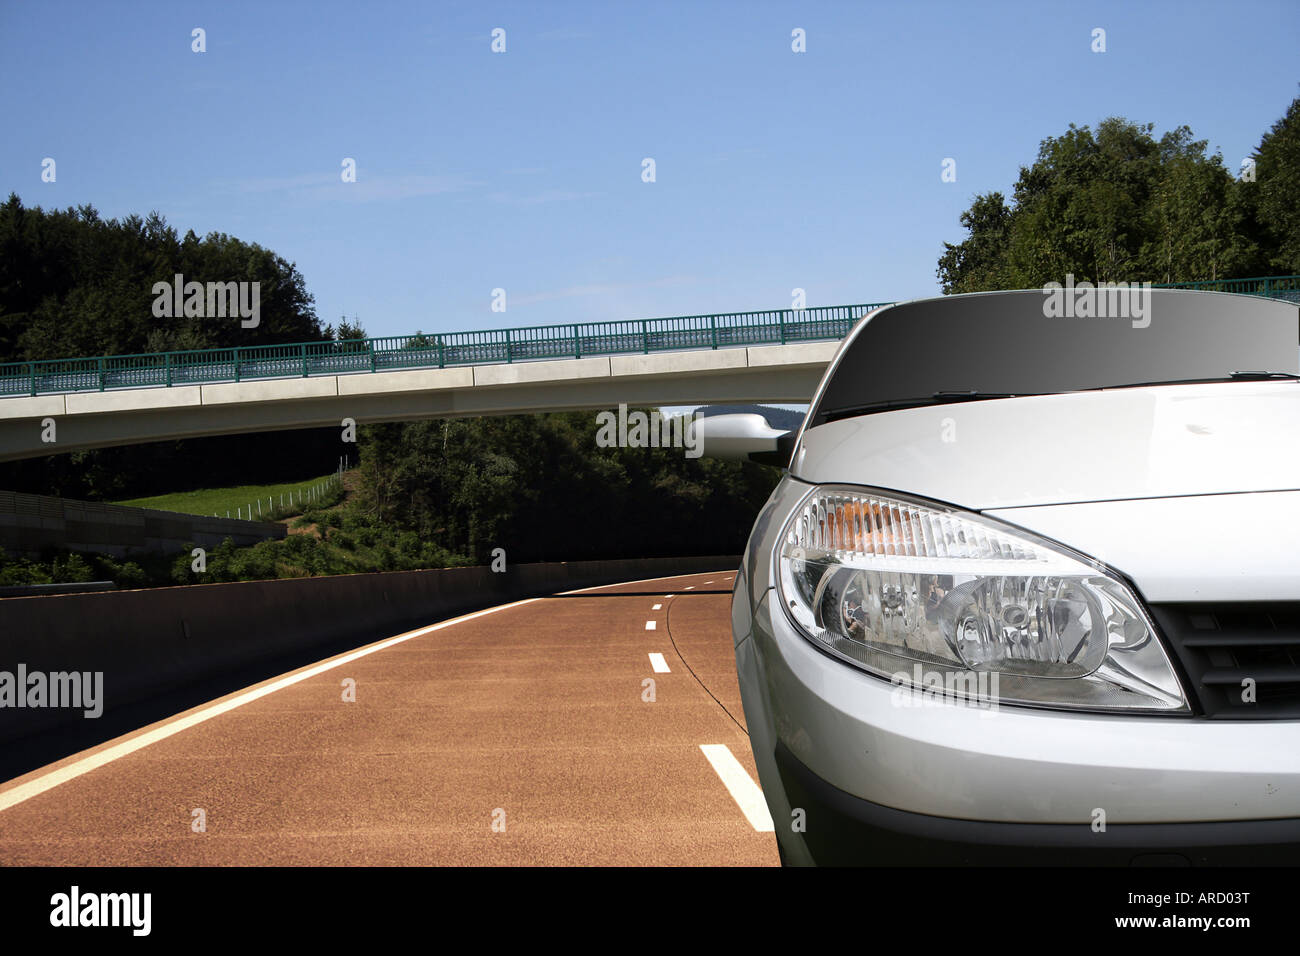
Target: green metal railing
[
  {"x": 441, "y": 350},
  {"x": 1273, "y": 287}
]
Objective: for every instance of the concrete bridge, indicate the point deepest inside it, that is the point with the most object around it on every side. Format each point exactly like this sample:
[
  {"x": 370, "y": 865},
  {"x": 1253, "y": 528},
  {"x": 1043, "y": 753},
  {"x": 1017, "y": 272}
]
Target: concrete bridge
[
  {"x": 97, "y": 419},
  {"x": 51, "y": 407}
]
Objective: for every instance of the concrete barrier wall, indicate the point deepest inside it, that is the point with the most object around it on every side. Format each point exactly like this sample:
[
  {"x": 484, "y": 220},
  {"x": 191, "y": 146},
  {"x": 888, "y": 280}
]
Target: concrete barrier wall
[
  {"x": 33, "y": 523},
  {"x": 150, "y": 642}
]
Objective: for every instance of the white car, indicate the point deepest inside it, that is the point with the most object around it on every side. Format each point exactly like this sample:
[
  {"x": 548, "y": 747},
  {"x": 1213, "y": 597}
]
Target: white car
[{"x": 1029, "y": 591}]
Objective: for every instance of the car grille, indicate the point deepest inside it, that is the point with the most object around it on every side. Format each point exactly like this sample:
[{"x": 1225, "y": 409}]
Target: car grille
[{"x": 1222, "y": 645}]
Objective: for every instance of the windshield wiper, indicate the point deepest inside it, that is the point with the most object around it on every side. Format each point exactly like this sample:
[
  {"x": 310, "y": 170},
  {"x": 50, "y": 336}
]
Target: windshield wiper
[
  {"x": 1234, "y": 377},
  {"x": 1262, "y": 376},
  {"x": 936, "y": 398}
]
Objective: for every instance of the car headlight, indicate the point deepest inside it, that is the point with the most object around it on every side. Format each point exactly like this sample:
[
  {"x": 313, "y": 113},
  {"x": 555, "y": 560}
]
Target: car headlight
[{"x": 910, "y": 591}]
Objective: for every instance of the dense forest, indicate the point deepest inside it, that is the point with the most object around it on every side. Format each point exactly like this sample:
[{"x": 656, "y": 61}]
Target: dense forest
[
  {"x": 541, "y": 488},
  {"x": 74, "y": 284}
]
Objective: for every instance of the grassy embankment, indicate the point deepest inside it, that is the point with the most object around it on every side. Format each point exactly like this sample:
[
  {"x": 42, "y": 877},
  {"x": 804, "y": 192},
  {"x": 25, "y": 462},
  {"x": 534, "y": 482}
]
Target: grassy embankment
[
  {"x": 332, "y": 535},
  {"x": 236, "y": 501}
]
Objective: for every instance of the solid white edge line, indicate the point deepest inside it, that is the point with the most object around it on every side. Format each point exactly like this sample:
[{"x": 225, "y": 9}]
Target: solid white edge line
[
  {"x": 54, "y": 778},
  {"x": 658, "y": 663},
  {"x": 740, "y": 785}
]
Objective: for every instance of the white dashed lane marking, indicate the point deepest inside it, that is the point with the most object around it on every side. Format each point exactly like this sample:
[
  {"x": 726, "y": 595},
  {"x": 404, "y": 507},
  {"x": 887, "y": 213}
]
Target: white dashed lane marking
[
  {"x": 659, "y": 664},
  {"x": 651, "y": 625}
]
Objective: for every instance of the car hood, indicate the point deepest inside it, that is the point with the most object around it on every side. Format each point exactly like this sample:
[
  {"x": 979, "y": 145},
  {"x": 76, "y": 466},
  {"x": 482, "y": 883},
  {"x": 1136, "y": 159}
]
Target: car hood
[
  {"x": 1194, "y": 549},
  {"x": 1113, "y": 445}
]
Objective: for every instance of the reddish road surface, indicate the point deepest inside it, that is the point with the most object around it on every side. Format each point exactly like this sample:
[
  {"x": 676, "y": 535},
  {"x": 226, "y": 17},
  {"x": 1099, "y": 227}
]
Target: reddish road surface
[{"x": 521, "y": 735}]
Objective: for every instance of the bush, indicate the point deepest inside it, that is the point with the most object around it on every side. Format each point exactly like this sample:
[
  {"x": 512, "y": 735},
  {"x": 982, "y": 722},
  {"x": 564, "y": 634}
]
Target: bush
[
  {"x": 297, "y": 545},
  {"x": 131, "y": 575},
  {"x": 71, "y": 568},
  {"x": 256, "y": 564},
  {"x": 435, "y": 556},
  {"x": 355, "y": 520},
  {"x": 182, "y": 569},
  {"x": 18, "y": 571},
  {"x": 408, "y": 544}
]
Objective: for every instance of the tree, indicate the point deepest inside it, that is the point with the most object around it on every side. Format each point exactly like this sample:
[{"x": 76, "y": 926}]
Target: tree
[
  {"x": 1271, "y": 204},
  {"x": 976, "y": 264},
  {"x": 541, "y": 488},
  {"x": 73, "y": 284},
  {"x": 1118, "y": 204}
]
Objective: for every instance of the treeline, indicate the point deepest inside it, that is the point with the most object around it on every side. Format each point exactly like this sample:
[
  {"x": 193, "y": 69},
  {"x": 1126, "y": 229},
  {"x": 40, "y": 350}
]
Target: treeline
[
  {"x": 1117, "y": 204},
  {"x": 784, "y": 418},
  {"x": 446, "y": 493},
  {"x": 74, "y": 284},
  {"x": 540, "y": 488}
]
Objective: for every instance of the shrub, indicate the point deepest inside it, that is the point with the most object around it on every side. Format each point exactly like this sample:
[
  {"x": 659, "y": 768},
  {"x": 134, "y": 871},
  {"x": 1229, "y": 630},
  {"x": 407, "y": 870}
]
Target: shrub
[
  {"x": 71, "y": 568},
  {"x": 131, "y": 575}
]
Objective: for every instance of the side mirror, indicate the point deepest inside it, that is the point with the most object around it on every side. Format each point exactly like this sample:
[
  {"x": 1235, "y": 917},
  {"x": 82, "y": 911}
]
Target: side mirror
[{"x": 742, "y": 436}]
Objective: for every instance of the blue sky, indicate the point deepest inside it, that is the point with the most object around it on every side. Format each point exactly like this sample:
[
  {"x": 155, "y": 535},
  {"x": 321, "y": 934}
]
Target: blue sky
[{"x": 522, "y": 170}]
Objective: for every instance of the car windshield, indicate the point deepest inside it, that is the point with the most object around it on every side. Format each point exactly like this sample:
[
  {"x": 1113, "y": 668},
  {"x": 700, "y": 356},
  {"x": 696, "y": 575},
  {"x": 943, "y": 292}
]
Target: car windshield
[{"x": 1002, "y": 344}]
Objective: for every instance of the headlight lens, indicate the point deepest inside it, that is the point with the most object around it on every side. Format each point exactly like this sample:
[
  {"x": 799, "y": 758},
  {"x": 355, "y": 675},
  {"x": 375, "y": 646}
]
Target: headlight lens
[{"x": 900, "y": 588}]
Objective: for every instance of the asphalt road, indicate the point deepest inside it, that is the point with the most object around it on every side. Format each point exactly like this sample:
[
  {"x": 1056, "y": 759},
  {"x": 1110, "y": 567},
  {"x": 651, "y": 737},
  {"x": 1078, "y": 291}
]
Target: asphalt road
[{"x": 523, "y": 735}]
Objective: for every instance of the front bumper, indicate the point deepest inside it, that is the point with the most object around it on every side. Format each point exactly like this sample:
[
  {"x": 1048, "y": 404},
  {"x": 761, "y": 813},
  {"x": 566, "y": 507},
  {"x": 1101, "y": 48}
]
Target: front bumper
[
  {"x": 882, "y": 783},
  {"x": 844, "y": 830}
]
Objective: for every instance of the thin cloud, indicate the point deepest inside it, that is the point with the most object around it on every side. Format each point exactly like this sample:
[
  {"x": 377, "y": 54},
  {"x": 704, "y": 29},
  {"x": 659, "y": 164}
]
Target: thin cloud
[
  {"x": 281, "y": 183},
  {"x": 747, "y": 152},
  {"x": 600, "y": 288},
  {"x": 325, "y": 187},
  {"x": 546, "y": 196},
  {"x": 564, "y": 33}
]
